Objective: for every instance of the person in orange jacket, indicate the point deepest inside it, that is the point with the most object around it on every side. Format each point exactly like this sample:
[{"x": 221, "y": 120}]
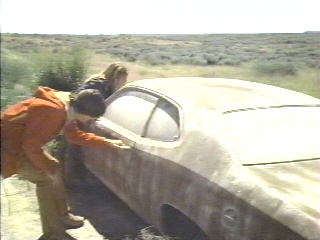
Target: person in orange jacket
[{"x": 27, "y": 126}]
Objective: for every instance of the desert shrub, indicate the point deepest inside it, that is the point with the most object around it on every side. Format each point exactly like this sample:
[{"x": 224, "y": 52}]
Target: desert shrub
[
  {"x": 100, "y": 51},
  {"x": 198, "y": 60},
  {"x": 64, "y": 70},
  {"x": 312, "y": 63},
  {"x": 314, "y": 53},
  {"x": 154, "y": 58},
  {"x": 275, "y": 68},
  {"x": 230, "y": 62},
  {"x": 245, "y": 58},
  {"x": 211, "y": 59},
  {"x": 131, "y": 57},
  {"x": 116, "y": 51},
  {"x": 174, "y": 60},
  {"x": 184, "y": 59}
]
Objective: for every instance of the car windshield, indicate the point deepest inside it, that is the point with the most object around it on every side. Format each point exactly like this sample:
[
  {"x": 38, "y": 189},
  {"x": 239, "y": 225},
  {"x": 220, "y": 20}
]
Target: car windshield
[{"x": 273, "y": 135}]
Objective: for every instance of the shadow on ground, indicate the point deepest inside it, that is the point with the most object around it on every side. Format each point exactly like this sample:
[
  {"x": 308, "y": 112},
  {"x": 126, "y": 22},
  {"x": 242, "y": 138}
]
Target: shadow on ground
[
  {"x": 110, "y": 217},
  {"x": 106, "y": 216}
]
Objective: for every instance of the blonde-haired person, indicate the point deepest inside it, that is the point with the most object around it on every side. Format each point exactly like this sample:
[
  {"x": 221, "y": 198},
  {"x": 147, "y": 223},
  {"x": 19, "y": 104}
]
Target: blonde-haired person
[{"x": 107, "y": 81}]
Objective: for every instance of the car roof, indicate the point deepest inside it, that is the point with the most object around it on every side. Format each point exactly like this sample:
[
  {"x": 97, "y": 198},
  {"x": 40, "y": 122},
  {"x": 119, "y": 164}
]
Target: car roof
[{"x": 222, "y": 93}]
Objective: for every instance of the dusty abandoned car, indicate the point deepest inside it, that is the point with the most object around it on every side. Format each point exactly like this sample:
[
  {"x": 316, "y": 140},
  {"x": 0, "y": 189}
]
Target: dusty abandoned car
[{"x": 214, "y": 158}]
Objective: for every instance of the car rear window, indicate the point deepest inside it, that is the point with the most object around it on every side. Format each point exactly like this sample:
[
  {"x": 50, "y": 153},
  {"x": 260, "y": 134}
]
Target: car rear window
[{"x": 273, "y": 135}]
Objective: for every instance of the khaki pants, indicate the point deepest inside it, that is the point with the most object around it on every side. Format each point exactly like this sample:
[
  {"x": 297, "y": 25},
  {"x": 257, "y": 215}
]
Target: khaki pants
[
  {"x": 70, "y": 157},
  {"x": 51, "y": 198}
]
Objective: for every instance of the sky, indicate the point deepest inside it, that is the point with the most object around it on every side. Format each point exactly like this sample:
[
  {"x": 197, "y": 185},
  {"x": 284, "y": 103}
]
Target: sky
[{"x": 94, "y": 17}]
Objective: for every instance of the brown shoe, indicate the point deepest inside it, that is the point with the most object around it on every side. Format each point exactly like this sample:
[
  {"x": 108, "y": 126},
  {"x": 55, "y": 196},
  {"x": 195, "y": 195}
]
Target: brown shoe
[{"x": 71, "y": 221}]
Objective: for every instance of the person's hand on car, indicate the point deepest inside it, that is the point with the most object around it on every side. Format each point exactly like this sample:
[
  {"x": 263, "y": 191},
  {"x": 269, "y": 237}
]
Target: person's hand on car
[{"x": 116, "y": 143}]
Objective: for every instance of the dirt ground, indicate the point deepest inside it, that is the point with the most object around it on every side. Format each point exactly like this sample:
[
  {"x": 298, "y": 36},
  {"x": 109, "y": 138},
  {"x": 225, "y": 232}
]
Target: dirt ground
[{"x": 106, "y": 216}]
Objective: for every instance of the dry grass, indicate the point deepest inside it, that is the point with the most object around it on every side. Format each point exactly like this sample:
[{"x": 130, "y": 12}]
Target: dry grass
[
  {"x": 300, "y": 49},
  {"x": 306, "y": 81}
]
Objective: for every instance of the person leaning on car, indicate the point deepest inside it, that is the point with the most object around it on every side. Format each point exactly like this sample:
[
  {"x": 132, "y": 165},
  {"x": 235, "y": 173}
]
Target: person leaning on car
[
  {"x": 107, "y": 82},
  {"x": 27, "y": 126}
]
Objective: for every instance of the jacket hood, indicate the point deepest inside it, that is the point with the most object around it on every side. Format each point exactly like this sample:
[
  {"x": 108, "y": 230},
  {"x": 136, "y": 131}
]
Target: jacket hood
[{"x": 48, "y": 94}]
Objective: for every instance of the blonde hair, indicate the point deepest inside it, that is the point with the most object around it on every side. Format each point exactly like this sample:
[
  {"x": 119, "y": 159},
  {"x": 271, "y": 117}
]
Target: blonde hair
[{"x": 113, "y": 72}]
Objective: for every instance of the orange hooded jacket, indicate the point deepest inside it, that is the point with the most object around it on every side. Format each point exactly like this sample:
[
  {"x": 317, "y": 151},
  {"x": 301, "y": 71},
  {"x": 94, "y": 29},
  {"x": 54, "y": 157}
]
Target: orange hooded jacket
[{"x": 28, "y": 125}]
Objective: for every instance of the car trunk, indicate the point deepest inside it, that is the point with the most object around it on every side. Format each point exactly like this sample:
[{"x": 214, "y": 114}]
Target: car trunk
[{"x": 295, "y": 183}]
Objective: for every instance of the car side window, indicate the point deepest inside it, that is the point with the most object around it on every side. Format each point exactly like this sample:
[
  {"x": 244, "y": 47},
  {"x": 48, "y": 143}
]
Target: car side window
[
  {"x": 131, "y": 110},
  {"x": 164, "y": 122}
]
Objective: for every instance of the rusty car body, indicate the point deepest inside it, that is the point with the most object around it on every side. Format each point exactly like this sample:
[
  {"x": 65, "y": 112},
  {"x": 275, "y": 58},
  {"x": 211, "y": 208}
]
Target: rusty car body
[{"x": 214, "y": 158}]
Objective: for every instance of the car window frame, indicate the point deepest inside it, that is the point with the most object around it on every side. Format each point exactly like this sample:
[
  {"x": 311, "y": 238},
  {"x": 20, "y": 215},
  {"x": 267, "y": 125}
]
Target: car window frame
[{"x": 128, "y": 136}]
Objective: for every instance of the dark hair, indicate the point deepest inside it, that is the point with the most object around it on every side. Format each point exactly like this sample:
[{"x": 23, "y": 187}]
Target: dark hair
[{"x": 88, "y": 102}]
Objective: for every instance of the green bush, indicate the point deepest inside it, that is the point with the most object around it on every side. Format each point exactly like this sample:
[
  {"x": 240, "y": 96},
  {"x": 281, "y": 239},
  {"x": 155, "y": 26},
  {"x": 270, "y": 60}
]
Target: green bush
[
  {"x": 15, "y": 70},
  {"x": 64, "y": 70},
  {"x": 12, "y": 96},
  {"x": 154, "y": 58},
  {"x": 230, "y": 62},
  {"x": 313, "y": 64},
  {"x": 211, "y": 59},
  {"x": 275, "y": 68},
  {"x": 17, "y": 78},
  {"x": 198, "y": 60}
]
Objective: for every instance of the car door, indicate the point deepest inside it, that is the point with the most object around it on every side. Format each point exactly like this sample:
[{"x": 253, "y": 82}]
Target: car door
[
  {"x": 125, "y": 118},
  {"x": 161, "y": 135},
  {"x": 148, "y": 123}
]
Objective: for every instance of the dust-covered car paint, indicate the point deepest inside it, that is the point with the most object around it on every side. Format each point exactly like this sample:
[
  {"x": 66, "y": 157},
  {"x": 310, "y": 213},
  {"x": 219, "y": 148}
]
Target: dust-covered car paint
[{"x": 214, "y": 158}]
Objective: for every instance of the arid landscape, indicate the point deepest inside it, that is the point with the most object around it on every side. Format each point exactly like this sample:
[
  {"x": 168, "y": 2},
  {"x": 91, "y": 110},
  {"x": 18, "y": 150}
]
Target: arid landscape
[
  {"x": 287, "y": 60},
  {"x": 291, "y": 61}
]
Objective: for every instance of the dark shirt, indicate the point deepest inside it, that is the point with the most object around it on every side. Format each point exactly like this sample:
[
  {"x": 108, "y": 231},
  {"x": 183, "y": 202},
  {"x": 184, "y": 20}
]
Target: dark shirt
[{"x": 100, "y": 85}]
